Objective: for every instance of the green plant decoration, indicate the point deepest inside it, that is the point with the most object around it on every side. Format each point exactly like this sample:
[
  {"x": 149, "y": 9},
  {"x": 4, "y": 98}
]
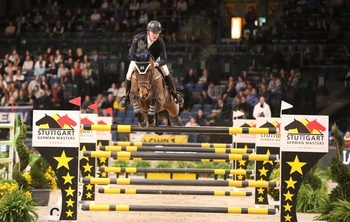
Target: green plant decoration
[
  {"x": 186, "y": 164},
  {"x": 120, "y": 163},
  {"x": 310, "y": 199},
  {"x": 340, "y": 212},
  {"x": 16, "y": 206},
  {"x": 38, "y": 179},
  {"x": 23, "y": 155},
  {"x": 163, "y": 164},
  {"x": 337, "y": 210},
  {"x": 139, "y": 163}
]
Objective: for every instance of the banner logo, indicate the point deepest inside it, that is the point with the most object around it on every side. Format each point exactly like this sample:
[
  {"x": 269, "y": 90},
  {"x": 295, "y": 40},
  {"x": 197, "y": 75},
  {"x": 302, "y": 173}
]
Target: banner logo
[
  {"x": 304, "y": 133},
  {"x": 56, "y": 127}
]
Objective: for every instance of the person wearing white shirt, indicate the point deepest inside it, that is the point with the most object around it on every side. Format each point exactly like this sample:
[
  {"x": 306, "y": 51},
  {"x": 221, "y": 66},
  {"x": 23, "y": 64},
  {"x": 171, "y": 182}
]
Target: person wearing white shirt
[
  {"x": 262, "y": 109},
  {"x": 40, "y": 62},
  {"x": 27, "y": 64}
]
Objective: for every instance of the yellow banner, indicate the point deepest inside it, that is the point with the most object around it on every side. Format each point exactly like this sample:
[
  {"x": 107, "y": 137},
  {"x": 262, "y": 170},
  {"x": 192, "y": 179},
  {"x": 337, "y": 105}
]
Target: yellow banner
[{"x": 165, "y": 138}]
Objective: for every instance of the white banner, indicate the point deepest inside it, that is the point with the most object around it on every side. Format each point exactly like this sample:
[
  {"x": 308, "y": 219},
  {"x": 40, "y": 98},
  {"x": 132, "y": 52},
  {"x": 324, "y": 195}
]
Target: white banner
[
  {"x": 244, "y": 138},
  {"x": 104, "y": 135},
  {"x": 300, "y": 133},
  {"x": 88, "y": 136},
  {"x": 56, "y": 128},
  {"x": 268, "y": 140}
]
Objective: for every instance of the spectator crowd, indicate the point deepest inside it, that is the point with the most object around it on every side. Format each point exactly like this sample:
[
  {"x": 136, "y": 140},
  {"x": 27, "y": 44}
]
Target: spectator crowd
[{"x": 47, "y": 80}]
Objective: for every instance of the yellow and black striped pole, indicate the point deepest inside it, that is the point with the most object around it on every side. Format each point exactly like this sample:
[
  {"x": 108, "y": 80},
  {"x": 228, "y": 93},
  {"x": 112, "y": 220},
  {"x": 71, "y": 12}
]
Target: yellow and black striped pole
[
  {"x": 167, "y": 182},
  {"x": 174, "y": 170},
  {"x": 185, "y": 209},
  {"x": 202, "y": 145},
  {"x": 202, "y": 129},
  {"x": 175, "y": 192},
  {"x": 123, "y": 155},
  {"x": 175, "y": 149}
]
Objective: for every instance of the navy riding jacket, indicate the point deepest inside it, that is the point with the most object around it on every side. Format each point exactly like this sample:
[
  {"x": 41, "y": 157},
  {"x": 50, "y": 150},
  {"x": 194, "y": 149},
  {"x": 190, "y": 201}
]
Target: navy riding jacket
[{"x": 157, "y": 49}]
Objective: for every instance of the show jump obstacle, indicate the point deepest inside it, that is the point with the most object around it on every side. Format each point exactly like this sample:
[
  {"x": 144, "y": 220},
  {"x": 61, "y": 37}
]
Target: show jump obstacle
[{"x": 56, "y": 135}]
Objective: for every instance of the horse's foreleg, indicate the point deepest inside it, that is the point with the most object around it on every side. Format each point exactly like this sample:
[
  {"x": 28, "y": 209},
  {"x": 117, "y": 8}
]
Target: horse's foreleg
[
  {"x": 152, "y": 110},
  {"x": 137, "y": 111}
]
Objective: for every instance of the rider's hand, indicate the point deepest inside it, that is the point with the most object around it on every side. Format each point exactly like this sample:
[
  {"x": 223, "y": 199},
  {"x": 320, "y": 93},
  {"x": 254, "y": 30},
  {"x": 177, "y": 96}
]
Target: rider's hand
[{"x": 156, "y": 64}]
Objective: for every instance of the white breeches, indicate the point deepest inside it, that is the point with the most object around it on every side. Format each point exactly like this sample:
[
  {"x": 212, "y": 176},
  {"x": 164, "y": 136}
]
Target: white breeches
[{"x": 132, "y": 67}]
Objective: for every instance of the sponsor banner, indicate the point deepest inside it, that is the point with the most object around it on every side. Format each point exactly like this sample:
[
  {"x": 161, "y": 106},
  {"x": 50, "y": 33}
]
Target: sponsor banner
[
  {"x": 88, "y": 136},
  {"x": 25, "y": 113},
  {"x": 165, "y": 138},
  {"x": 65, "y": 163},
  {"x": 346, "y": 157},
  {"x": 56, "y": 128},
  {"x": 294, "y": 165},
  {"x": 268, "y": 140},
  {"x": 88, "y": 170},
  {"x": 301, "y": 133},
  {"x": 104, "y": 135},
  {"x": 263, "y": 171},
  {"x": 103, "y": 161},
  {"x": 144, "y": 137},
  {"x": 244, "y": 138}
]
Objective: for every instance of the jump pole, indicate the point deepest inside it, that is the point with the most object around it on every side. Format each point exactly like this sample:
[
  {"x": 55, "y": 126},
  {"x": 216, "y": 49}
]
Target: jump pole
[
  {"x": 203, "y": 129},
  {"x": 219, "y": 183},
  {"x": 179, "y": 156},
  {"x": 202, "y": 145},
  {"x": 187, "y": 209},
  {"x": 172, "y": 170},
  {"x": 175, "y": 149},
  {"x": 174, "y": 192}
]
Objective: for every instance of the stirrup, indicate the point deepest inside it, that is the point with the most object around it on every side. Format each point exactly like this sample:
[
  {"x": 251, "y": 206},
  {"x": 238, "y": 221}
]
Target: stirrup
[
  {"x": 178, "y": 98},
  {"x": 123, "y": 101}
]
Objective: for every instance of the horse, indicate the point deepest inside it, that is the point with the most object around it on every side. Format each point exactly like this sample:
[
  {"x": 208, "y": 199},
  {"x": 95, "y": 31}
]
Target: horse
[
  {"x": 297, "y": 125},
  {"x": 267, "y": 125},
  {"x": 86, "y": 121},
  {"x": 66, "y": 120},
  {"x": 149, "y": 96},
  {"x": 315, "y": 126},
  {"x": 51, "y": 122}
]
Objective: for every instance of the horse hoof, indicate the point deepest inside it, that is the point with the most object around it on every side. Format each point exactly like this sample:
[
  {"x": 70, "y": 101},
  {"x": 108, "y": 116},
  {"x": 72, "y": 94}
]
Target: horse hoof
[
  {"x": 144, "y": 124},
  {"x": 152, "y": 124}
]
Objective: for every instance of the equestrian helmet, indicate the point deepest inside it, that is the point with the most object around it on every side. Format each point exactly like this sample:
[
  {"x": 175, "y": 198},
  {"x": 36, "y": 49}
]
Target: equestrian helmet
[{"x": 154, "y": 26}]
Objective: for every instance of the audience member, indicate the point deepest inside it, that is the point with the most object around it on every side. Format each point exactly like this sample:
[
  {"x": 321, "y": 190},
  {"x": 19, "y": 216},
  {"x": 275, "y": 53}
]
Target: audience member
[{"x": 261, "y": 109}]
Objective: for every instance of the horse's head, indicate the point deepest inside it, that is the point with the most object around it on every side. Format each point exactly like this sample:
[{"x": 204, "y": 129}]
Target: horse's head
[
  {"x": 314, "y": 125},
  {"x": 66, "y": 120},
  {"x": 43, "y": 120},
  {"x": 145, "y": 70}
]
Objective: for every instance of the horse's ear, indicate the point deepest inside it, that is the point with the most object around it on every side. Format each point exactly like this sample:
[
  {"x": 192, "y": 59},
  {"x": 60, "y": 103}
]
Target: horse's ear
[
  {"x": 148, "y": 56},
  {"x": 135, "y": 56}
]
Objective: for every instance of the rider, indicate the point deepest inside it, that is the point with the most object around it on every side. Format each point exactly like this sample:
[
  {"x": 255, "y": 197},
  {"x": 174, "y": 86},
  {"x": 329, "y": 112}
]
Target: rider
[{"x": 156, "y": 47}]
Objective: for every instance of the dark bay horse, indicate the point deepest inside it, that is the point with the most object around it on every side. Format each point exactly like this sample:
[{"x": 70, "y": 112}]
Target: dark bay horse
[{"x": 149, "y": 95}]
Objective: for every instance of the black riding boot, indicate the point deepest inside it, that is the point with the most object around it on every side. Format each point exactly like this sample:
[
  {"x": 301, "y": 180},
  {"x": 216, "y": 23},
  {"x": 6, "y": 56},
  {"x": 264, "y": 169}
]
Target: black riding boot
[
  {"x": 125, "y": 99},
  {"x": 177, "y": 96}
]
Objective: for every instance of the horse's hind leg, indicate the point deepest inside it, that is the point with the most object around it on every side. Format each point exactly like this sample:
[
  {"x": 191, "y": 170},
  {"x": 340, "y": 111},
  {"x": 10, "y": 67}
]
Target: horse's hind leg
[
  {"x": 142, "y": 122},
  {"x": 152, "y": 111}
]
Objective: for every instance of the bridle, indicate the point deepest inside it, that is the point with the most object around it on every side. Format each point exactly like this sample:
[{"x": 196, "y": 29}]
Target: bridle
[{"x": 147, "y": 84}]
